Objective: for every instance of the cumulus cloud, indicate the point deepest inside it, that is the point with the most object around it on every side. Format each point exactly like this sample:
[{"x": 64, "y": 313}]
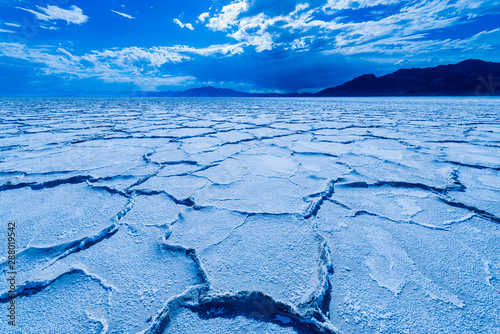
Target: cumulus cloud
[
  {"x": 203, "y": 16},
  {"x": 123, "y": 14},
  {"x": 182, "y": 25},
  {"x": 228, "y": 15},
  {"x": 144, "y": 67},
  {"x": 73, "y": 15},
  {"x": 258, "y": 30},
  {"x": 327, "y": 27}
]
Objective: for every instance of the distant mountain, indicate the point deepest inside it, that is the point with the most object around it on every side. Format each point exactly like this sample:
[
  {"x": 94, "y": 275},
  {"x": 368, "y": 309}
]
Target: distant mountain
[
  {"x": 210, "y": 91},
  {"x": 207, "y": 91},
  {"x": 157, "y": 94},
  {"x": 469, "y": 77}
]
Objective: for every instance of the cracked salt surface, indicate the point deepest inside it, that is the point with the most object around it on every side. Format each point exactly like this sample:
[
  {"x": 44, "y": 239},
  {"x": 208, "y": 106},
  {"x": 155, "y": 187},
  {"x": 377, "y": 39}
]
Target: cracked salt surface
[{"x": 252, "y": 215}]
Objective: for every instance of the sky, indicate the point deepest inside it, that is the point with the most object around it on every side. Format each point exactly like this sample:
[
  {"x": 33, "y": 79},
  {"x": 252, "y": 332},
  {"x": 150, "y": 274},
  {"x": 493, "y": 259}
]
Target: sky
[{"x": 87, "y": 46}]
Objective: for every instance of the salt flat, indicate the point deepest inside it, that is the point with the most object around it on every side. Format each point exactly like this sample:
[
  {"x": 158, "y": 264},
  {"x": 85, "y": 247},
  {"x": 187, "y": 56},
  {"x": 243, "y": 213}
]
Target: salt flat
[{"x": 363, "y": 215}]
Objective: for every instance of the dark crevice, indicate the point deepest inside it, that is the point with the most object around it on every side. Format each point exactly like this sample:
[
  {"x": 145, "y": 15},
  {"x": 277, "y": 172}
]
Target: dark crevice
[
  {"x": 393, "y": 184},
  {"x": 179, "y": 162},
  {"x": 110, "y": 190},
  {"x": 30, "y": 288},
  {"x": 257, "y": 138},
  {"x": 342, "y": 205},
  {"x": 475, "y": 166},
  {"x": 315, "y": 153},
  {"x": 313, "y": 208},
  {"x": 310, "y": 317},
  {"x": 457, "y": 185},
  {"x": 144, "y": 179},
  {"x": 72, "y": 180},
  {"x": 191, "y": 254},
  {"x": 147, "y": 159},
  {"x": 260, "y": 307},
  {"x": 479, "y": 212},
  {"x": 186, "y": 202},
  {"x": 319, "y": 300},
  {"x": 87, "y": 242},
  {"x": 324, "y": 305},
  {"x": 48, "y": 184},
  {"x": 251, "y": 305},
  {"x": 367, "y": 213}
]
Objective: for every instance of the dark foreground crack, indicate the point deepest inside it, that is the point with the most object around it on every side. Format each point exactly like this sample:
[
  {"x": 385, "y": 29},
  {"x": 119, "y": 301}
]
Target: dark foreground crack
[
  {"x": 29, "y": 288},
  {"x": 309, "y": 317},
  {"x": 477, "y": 211},
  {"x": 253, "y": 305},
  {"x": 394, "y": 184},
  {"x": 313, "y": 209},
  {"x": 258, "y": 306},
  {"x": 48, "y": 184}
]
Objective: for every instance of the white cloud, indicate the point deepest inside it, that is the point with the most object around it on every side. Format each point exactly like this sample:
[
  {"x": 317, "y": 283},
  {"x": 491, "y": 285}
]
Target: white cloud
[
  {"x": 182, "y": 25},
  {"x": 6, "y": 31},
  {"x": 483, "y": 40},
  {"x": 224, "y": 50},
  {"x": 179, "y": 23},
  {"x": 108, "y": 65},
  {"x": 301, "y": 44},
  {"x": 123, "y": 14},
  {"x": 12, "y": 24},
  {"x": 252, "y": 31},
  {"x": 415, "y": 45},
  {"x": 335, "y": 30},
  {"x": 203, "y": 16},
  {"x": 51, "y": 13},
  {"x": 228, "y": 16},
  {"x": 255, "y": 30},
  {"x": 354, "y": 4},
  {"x": 142, "y": 66},
  {"x": 410, "y": 21}
]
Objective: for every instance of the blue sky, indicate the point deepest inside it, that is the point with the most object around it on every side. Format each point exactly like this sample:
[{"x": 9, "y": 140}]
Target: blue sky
[{"x": 249, "y": 45}]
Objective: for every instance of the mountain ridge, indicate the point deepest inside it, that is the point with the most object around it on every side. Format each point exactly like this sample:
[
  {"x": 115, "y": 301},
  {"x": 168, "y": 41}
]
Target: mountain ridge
[
  {"x": 466, "y": 78},
  {"x": 471, "y": 77}
]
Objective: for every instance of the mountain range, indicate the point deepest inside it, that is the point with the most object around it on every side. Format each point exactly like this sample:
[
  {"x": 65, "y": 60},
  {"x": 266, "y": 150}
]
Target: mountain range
[
  {"x": 210, "y": 91},
  {"x": 470, "y": 77}
]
